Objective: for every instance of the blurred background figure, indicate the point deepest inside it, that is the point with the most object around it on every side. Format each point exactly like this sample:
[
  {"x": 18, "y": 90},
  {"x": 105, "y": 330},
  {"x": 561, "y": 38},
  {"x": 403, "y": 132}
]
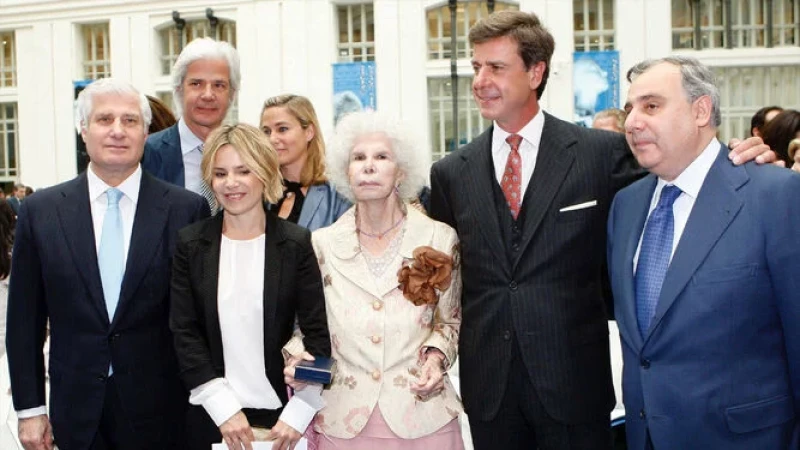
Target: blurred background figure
[
  {"x": 392, "y": 346},
  {"x": 238, "y": 281},
  {"x": 761, "y": 117},
  {"x": 7, "y": 222},
  {"x": 612, "y": 119},
  {"x": 162, "y": 116},
  {"x": 28, "y": 191},
  {"x": 779, "y": 131},
  {"x": 794, "y": 154},
  {"x": 17, "y": 197},
  {"x": 308, "y": 199}
]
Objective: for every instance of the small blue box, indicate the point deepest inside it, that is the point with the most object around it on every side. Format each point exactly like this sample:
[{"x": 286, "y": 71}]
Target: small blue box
[{"x": 320, "y": 370}]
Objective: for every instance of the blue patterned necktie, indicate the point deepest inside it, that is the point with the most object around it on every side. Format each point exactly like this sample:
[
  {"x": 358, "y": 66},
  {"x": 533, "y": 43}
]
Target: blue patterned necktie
[
  {"x": 205, "y": 190},
  {"x": 111, "y": 257},
  {"x": 654, "y": 256}
]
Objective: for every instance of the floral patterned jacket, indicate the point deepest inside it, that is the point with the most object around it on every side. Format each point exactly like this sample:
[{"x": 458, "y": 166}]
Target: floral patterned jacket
[{"x": 378, "y": 335}]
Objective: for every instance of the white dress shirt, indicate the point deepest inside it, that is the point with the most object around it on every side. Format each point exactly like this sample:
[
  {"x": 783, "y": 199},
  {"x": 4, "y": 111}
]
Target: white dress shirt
[
  {"x": 240, "y": 305},
  {"x": 528, "y": 150},
  {"x": 98, "y": 203},
  {"x": 192, "y": 157},
  {"x": 689, "y": 182}
]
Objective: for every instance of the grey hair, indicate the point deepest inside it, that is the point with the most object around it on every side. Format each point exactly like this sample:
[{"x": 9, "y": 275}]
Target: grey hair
[
  {"x": 407, "y": 148},
  {"x": 697, "y": 80},
  {"x": 204, "y": 48},
  {"x": 104, "y": 86}
]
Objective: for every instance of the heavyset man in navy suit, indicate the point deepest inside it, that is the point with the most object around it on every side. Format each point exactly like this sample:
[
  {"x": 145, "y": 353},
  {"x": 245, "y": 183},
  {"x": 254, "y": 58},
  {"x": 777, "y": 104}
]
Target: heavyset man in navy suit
[
  {"x": 704, "y": 258},
  {"x": 113, "y": 373},
  {"x": 205, "y": 81}
]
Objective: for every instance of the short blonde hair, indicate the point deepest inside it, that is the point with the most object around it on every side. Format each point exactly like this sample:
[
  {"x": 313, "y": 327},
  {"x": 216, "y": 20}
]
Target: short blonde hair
[
  {"x": 301, "y": 108},
  {"x": 255, "y": 151}
]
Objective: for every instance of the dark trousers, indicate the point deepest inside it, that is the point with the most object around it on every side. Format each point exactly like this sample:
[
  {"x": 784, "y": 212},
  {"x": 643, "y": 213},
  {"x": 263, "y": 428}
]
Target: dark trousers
[
  {"x": 202, "y": 432},
  {"x": 116, "y": 431},
  {"x": 522, "y": 423}
]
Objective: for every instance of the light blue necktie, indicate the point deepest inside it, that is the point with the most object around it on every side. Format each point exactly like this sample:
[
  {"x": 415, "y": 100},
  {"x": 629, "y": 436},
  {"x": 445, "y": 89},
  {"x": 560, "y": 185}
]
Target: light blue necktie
[
  {"x": 654, "y": 256},
  {"x": 111, "y": 257}
]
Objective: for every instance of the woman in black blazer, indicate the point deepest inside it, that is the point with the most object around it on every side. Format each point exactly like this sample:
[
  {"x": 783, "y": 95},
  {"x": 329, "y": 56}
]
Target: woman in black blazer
[{"x": 238, "y": 280}]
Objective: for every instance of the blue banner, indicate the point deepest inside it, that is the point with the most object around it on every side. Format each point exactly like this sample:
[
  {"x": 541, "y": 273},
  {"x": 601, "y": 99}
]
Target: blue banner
[
  {"x": 353, "y": 88},
  {"x": 595, "y": 81}
]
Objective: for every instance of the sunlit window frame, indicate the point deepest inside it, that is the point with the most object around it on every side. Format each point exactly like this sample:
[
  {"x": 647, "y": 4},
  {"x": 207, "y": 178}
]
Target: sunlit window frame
[
  {"x": 346, "y": 46},
  {"x": 599, "y": 38},
  {"x": 8, "y": 72},
  {"x": 96, "y": 62},
  {"x": 8, "y": 125}
]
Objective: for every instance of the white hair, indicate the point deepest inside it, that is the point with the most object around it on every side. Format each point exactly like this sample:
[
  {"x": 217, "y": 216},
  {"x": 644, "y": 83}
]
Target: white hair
[
  {"x": 105, "y": 86},
  {"x": 408, "y": 151},
  {"x": 204, "y": 48}
]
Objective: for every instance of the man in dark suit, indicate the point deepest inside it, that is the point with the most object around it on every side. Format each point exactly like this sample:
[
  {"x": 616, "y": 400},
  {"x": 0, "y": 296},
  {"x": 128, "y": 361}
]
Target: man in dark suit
[
  {"x": 709, "y": 316},
  {"x": 534, "y": 351},
  {"x": 92, "y": 256},
  {"x": 15, "y": 200},
  {"x": 205, "y": 80}
]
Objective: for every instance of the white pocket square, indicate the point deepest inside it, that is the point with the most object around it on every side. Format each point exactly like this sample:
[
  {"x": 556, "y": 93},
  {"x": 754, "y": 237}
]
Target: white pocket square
[{"x": 583, "y": 205}]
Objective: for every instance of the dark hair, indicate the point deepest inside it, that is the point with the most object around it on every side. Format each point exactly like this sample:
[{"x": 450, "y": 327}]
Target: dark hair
[
  {"x": 7, "y": 223},
  {"x": 760, "y": 118},
  {"x": 535, "y": 43},
  {"x": 778, "y": 132},
  {"x": 162, "y": 116}
]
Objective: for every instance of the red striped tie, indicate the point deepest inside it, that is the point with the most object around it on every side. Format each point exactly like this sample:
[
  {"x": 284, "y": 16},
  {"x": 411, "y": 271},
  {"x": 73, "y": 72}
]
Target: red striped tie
[{"x": 512, "y": 176}]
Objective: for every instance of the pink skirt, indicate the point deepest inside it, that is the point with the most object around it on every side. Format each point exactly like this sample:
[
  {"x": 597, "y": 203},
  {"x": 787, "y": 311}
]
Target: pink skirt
[{"x": 377, "y": 435}]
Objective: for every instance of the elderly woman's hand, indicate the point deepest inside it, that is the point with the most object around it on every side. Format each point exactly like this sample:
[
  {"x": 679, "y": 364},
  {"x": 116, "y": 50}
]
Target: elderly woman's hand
[
  {"x": 288, "y": 371},
  {"x": 283, "y": 436},
  {"x": 431, "y": 375}
]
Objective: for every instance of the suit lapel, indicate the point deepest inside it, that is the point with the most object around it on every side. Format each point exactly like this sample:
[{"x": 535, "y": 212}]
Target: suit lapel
[
  {"x": 553, "y": 161},
  {"x": 149, "y": 221},
  {"x": 633, "y": 217},
  {"x": 311, "y": 204},
  {"x": 716, "y": 206},
  {"x": 273, "y": 264},
  {"x": 209, "y": 285},
  {"x": 75, "y": 215},
  {"x": 478, "y": 168}
]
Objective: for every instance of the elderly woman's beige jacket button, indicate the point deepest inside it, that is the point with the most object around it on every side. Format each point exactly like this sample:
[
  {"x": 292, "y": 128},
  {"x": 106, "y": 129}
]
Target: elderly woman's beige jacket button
[
  {"x": 376, "y": 339},
  {"x": 376, "y": 374},
  {"x": 377, "y": 305}
]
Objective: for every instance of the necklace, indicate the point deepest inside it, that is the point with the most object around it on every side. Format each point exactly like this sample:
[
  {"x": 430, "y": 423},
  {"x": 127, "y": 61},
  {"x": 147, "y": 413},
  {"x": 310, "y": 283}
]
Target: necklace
[{"x": 381, "y": 235}]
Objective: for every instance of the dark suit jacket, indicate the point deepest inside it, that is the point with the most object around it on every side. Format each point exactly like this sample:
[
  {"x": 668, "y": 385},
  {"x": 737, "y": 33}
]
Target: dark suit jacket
[
  {"x": 292, "y": 285},
  {"x": 719, "y": 367},
  {"x": 56, "y": 278},
  {"x": 14, "y": 203},
  {"x": 163, "y": 157},
  {"x": 546, "y": 297}
]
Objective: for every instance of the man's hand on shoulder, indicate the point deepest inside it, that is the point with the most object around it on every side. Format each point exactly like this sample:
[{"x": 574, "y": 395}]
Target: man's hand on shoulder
[
  {"x": 752, "y": 148},
  {"x": 35, "y": 433}
]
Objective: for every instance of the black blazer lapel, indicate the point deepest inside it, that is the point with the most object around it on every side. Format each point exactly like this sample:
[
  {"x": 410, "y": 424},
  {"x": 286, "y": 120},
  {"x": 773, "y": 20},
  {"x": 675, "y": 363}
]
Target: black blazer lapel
[
  {"x": 478, "y": 166},
  {"x": 211, "y": 238},
  {"x": 272, "y": 281},
  {"x": 555, "y": 157},
  {"x": 75, "y": 215},
  {"x": 149, "y": 221}
]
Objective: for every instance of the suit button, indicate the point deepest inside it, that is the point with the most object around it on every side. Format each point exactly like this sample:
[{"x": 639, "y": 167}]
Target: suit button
[
  {"x": 376, "y": 339},
  {"x": 512, "y": 285},
  {"x": 101, "y": 378},
  {"x": 114, "y": 336},
  {"x": 645, "y": 363},
  {"x": 515, "y": 228},
  {"x": 376, "y": 374},
  {"x": 642, "y": 415},
  {"x": 515, "y": 246},
  {"x": 506, "y": 335},
  {"x": 377, "y": 305}
]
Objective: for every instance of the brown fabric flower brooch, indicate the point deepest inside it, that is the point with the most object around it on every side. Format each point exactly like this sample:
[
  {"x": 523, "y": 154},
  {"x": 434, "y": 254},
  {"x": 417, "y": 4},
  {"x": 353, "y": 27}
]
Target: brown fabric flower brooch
[{"x": 427, "y": 273}]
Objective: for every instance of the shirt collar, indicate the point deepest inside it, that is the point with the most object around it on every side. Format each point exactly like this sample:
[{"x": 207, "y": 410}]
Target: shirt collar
[
  {"x": 129, "y": 187},
  {"x": 189, "y": 141},
  {"x": 531, "y": 132},
  {"x": 691, "y": 179}
]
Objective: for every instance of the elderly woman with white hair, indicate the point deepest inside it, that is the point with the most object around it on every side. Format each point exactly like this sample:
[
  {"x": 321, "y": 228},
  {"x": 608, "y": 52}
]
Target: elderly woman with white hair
[{"x": 392, "y": 288}]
